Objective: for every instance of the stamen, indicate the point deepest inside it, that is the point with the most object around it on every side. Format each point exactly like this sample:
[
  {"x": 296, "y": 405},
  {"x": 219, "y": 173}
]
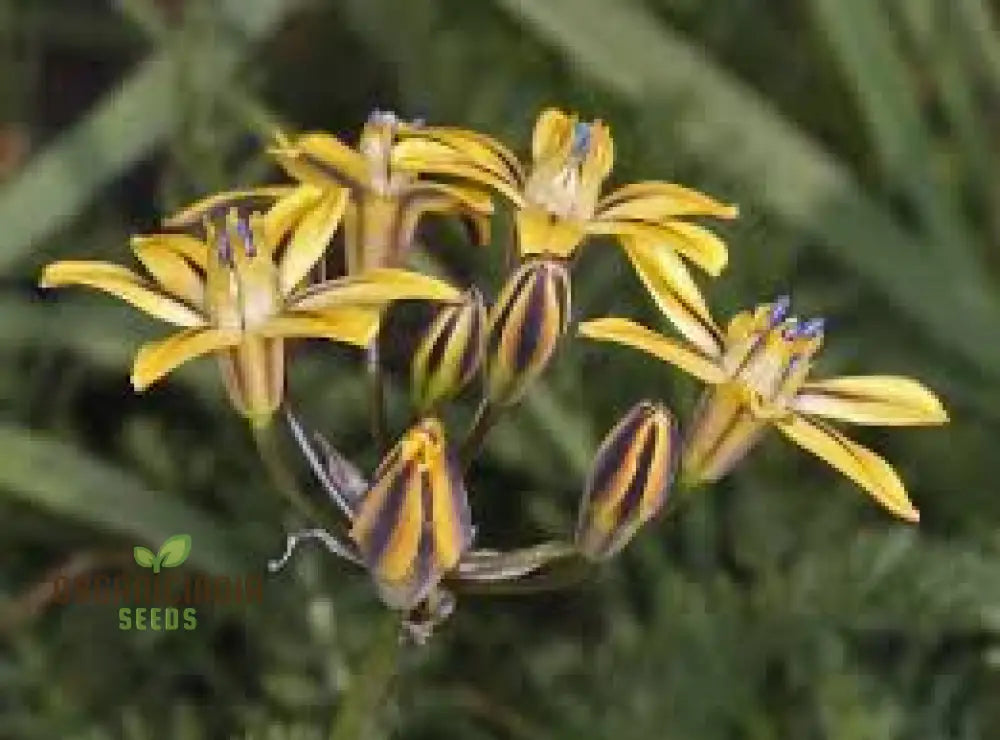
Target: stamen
[
  {"x": 246, "y": 235},
  {"x": 581, "y": 139},
  {"x": 224, "y": 248},
  {"x": 811, "y": 328},
  {"x": 779, "y": 309}
]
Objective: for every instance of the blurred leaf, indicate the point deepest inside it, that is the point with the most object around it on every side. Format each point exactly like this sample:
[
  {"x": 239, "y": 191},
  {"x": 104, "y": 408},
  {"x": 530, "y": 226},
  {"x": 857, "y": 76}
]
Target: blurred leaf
[
  {"x": 63, "y": 480},
  {"x": 122, "y": 129}
]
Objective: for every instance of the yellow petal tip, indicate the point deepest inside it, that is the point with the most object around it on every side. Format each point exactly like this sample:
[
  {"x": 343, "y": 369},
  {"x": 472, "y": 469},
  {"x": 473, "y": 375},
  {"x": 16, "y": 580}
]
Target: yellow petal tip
[{"x": 912, "y": 516}]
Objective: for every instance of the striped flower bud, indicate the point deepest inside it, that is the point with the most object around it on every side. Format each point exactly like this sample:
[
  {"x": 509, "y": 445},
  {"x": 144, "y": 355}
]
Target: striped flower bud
[
  {"x": 629, "y": 480},
  {"x": 450, "y": 351},
  {"x": 413, "y": 523},
  {"x": 525, "y": 325}
]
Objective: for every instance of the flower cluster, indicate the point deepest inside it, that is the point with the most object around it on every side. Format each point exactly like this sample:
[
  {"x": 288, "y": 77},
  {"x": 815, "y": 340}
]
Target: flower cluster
[{"x": 237, "y": 272}]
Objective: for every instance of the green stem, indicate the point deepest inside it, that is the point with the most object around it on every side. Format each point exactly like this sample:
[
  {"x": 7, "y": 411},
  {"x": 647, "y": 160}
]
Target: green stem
[
  {"x": 486, "y": 416},
  {"x": 376, "y": 389},
  {"x": 371, "y": 687},
  {"x": 283, "y": 479}
]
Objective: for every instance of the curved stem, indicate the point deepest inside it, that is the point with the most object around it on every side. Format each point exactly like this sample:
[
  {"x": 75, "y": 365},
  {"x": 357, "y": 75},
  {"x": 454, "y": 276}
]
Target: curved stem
[
  {"x": 376, "y": 390},
  {"x": 486, "y": 416},
  {"x": 371, "y": 687}
]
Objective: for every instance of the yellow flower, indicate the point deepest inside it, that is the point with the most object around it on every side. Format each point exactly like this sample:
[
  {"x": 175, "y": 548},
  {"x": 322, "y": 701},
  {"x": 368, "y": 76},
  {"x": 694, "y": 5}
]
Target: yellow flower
[
  {"x": 235, "y": 293},
  {"x": 449, "y": 353},
  {"x": 413, "y": 524},
  {"x": 385, "y": 203},
  {"x": 629, "y": 480},
  {"x": 558, "y": 199},
  {"x": 758, "y": 377},
  {"x": 524, "y": 328}
]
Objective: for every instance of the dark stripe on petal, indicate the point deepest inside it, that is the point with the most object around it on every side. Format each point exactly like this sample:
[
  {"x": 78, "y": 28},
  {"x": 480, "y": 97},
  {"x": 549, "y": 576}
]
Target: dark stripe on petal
[
  {"x": 445, "y": 335},
  {"x": 387, "y": 520},
  {"x": 612, "y": 452},
  {"x": 632, "y": 498},
  {"x": 528, "y": 334},
  {"x": 498, "y": 325}
]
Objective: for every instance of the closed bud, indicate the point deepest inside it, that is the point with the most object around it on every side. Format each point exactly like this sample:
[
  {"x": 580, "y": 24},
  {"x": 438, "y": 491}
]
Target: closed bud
[
  {"x": 413, "y": 524},
  {"x": 629, "y": 480},
  {"x": 450, "y": 351},
  {"x": 525, "y": 325}
]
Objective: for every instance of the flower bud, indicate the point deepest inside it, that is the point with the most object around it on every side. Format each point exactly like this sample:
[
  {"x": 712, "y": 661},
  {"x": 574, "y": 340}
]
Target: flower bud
[
  {"x": 629, "y": 480},
  {"x": 525, "y": 325},
  {"x": 413, "y": 524},
  {"x": 450, "y": 351}
]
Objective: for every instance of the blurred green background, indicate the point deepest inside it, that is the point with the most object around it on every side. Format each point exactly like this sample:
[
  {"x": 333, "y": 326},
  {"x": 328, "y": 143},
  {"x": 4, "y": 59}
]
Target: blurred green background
[{"x": 860, "y": 139}]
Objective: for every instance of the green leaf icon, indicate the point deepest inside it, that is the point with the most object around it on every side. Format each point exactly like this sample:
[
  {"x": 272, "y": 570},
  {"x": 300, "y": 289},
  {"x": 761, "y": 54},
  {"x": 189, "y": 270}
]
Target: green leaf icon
[
  {"x": 173, "y": 552},
  {"x": 144, "y": 556}
]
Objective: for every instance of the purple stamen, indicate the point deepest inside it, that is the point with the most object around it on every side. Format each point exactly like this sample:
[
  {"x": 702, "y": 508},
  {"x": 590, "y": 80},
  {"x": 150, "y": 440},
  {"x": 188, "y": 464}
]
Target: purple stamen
[
  {"x": 246, "y": 234},
  {"x": 779, "y": 309},
  {"x": 224, "y": 248},
  {"x": 811, "y": 328},
  {"x": 581, "y": 139}
]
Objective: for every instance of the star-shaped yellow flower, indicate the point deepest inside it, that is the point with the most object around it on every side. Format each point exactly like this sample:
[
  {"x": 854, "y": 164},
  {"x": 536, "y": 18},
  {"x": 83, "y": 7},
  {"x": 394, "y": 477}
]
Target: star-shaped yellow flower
[
  {"x": 758, "y": 377},
  {"x": 558, "y": 198},
  {"x": 236, "y": 293}
]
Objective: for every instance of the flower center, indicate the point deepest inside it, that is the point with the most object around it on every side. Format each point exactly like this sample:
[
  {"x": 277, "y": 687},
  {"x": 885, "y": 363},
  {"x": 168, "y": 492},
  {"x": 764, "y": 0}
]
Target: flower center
[
  {"x": 558, "y": 184},
  {"x": 769, "y": 353},
  {"x": 243, "y": 284}
]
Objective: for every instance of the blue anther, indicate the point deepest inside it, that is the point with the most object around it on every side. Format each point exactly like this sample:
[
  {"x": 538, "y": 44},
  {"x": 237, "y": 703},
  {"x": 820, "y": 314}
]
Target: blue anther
[
  {"x": 246, "y": 235},
  {"x": 811, "y": 328},
  {"x": 224, "y": 248},
  {"x": 581, "y": 139},
  {"x": 779, "y": 309}
]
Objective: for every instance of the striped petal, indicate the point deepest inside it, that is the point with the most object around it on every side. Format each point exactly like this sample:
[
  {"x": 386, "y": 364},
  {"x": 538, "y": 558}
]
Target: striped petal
[
  {"x": 542, "y": 233},
  {"x": 156, "y": 359},
  {"x": 322, "y": 159},
  {"x": 376, "y": 287},
  {"x": 693, "y": 242},
  {"x": 657, "y": 201},
  {"x": 859, "y": 464},
  {"x": 669, "y": 283},
  {"x": 250, "y": 199},
  {"x": 171, "y": 269},
  {"x": 723, "y": 429},
  {"x": 629, "y": 480},
  {"x": 631, "y": 334},
  {"x": 481, "y": 150},
  {"x": 871, "y": 399},
  {"x": 450, "y": 352},
  {"x": 435, "y": 158},
  {"x": 348, "y": 324},
  {"x": 191, "y": 248},
  {"x": 122, "y": 283},
  {"x": 286, "y": 214},
  {"x": 310, "y": 238}
]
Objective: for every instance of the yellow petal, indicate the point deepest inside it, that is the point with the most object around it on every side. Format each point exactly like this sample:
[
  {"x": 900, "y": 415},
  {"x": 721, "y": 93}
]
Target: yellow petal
[
  {"x": 310, "y": 239},
  {"x": 872, "y": 399},
  {"x": 631, "y": 334},
  {"x": 123, "y": 283},
  {"x": 351, "y": 325},
  {"x": 463, "y": 198},
  {"x": 600, "y": 157},
  {"x": 694, "y": 242},
  {"x": 552, "y": 134},
  {"x": 373, "y": 288},
  {"x": 482, "y": 150},
  {"x": 671, "y": 287},
  {"x": 540, "y": 232},
  {"x": 435, "y": 158},
  {"x": 656, "y": 201},
  {"x": 256, "y": 199},
  {"x": 190, "y": 248},
  {"x": 156, "y": 359},
  {"x": 320, "y": 158},
  {"x": 859, "y": 464},
  {"x": 287, "y": 213},
  {"x": 171, "y": 270}
]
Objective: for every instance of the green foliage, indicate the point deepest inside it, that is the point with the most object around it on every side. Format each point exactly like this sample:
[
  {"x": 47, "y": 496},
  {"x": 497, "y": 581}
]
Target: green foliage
[{"x": 858, "y": 138}]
